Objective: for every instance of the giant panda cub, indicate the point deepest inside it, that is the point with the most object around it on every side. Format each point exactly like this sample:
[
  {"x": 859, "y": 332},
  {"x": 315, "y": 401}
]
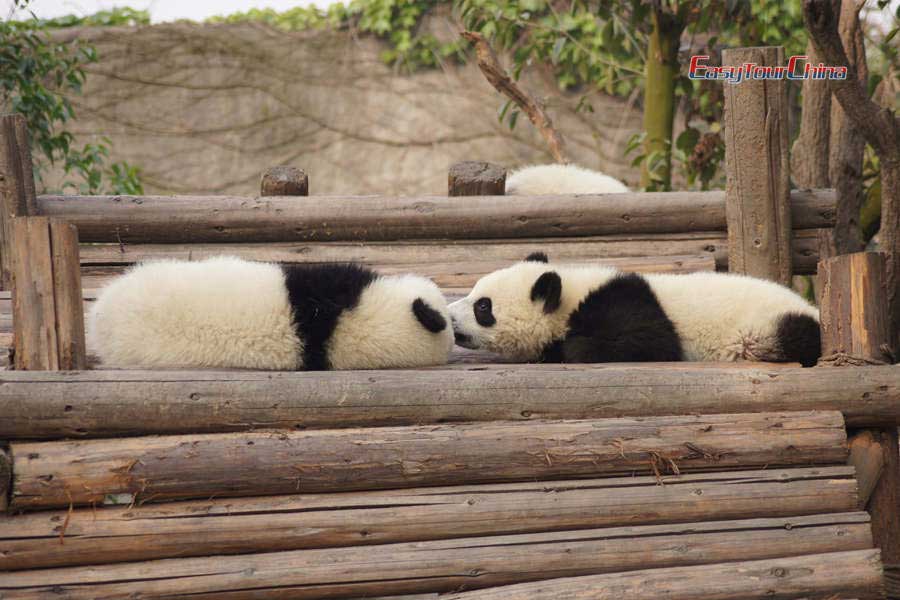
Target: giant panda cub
[
  {"x": 230, "y": 313},
  {"x": 535, "y": 311},
  {"x": 543, "y": 180}
]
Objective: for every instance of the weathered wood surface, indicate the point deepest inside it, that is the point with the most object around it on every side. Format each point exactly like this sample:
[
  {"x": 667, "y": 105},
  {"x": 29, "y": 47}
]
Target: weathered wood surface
[
  {"x": 854, "y": 311},
  {"x": 447, "y": 565},
  {"x": 120, "y": 403},
  {"x": 757, "y": 167},
  {"x": 54, "y": 474},
  {"x": 475, "y": 178},
  {"x": 856, "y": 329},
  {"x": 47, "y": 303},
  {"x": 856, "y": 574},
  {"x": 867, "y": 458},
  {"x": 17, "y": 194},
  {"x": 265, "y": 524},
  {"x": 5, "y": 484},
  {"x": 284, "y": 181},
  {"x": 178, "y": 219},
  {"x": 422, "y": 253}
]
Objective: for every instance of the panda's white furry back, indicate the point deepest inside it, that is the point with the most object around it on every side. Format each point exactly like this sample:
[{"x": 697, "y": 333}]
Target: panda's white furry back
[
  {"x": 230, "y": 313},
  {"x": 539, "y": 180}
]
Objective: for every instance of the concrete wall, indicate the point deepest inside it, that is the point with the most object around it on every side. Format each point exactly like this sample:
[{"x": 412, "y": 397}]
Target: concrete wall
[{"x": 205, "y": 108}]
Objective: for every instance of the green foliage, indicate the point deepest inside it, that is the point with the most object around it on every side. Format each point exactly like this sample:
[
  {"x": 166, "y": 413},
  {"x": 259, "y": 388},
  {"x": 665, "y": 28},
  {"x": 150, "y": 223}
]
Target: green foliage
[
  {"x": 122, "y": 16},
  {"x": 395, "y": 21},
  {"x": 36, "y": 74}
]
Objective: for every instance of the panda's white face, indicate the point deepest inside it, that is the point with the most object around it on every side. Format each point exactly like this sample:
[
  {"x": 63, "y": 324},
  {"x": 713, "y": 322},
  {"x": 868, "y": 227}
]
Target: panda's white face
[{"x": 512, "y": 311}]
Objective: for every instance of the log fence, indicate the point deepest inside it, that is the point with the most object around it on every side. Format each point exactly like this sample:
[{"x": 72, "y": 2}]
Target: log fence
[{"x": 514, "y": 481}]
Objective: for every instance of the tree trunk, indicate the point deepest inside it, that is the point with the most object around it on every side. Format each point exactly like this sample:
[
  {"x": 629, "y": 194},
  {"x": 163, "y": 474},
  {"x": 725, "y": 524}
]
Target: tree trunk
[
  {"x": 662, "y": 71},
  {"x": 847, "y": 144},
  {"x": 809, "y": 155}
]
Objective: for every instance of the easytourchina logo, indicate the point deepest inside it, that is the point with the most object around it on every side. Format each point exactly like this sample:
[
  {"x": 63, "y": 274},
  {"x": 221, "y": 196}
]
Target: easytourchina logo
[{"x": 797, "y": 68}]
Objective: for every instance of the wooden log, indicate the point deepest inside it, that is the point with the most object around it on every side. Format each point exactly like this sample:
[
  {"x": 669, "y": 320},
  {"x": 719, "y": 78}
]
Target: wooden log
[
  {"x": 623, "y": 251},
  {"x": 5, "y": 484},
  {"x": 48, "y": 312},
  {"x": 54, "y": 474},
  {"x": 123, "y": 403},
  {"x": 17, "y": 195},
  {"x": 179, "y": 219},
  {"x": 476, "y": 178},
  {"x": 447, "y": 565},
  {"x": 814, "y": 577},
  {"x": 284, "y": 181},
  {"x": 856, "y": 330},
  {"x": 757, "y": 168},
  {"x": 266, "y": 524},
  {"x": 867, "y": 457}
]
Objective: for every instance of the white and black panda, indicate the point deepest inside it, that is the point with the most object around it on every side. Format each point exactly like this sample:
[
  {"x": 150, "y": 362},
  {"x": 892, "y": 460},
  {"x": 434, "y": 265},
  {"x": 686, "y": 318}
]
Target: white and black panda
[
  {"x": 535, "y": 311},
  {"x": 230, "y": 313},
  {"x": 542, "y": 180}
]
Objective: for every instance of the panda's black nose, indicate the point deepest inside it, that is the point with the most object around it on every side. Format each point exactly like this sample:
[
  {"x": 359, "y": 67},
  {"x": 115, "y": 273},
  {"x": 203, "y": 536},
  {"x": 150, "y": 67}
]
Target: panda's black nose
[{"x": 461, "y": 338}]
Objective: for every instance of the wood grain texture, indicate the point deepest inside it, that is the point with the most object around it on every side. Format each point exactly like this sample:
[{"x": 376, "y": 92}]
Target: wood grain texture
[
  {"x": 625, "y": 251},
  {"x": 813, "y": 577},
  {"x": 265, "y": 524},
  {"x": 284, "y": 181},
  {"x": 867, "y": 457},
  {"x": 5, "y": 483},
  {"x": 446, "y": 565},
  {"x": 179, "y": 219},
  {"x": 58, "y": 474},
  {"x": 17, "y": 193},
  {"x": 69, "y": 306},
  {"x": 757, "y": 168},
  {"x": 34, "y": 303},
  {"x": 121, "y": 403},
  {"x": 476, "y": 178}
]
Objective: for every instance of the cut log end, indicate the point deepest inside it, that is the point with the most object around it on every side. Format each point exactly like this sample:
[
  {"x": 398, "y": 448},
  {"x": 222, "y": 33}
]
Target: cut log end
[
  {"x": 284, "y": 181},
  {"x": 474, "y": 178}
]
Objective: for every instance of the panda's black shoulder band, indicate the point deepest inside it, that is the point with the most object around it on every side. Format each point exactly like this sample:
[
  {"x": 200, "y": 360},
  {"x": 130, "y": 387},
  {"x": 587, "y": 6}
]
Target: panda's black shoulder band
[{"x": 430, "y": 319}]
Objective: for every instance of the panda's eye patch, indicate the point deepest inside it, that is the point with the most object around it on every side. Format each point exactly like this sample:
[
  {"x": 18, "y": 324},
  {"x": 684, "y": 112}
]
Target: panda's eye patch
[{"x": 483, "y": 314}]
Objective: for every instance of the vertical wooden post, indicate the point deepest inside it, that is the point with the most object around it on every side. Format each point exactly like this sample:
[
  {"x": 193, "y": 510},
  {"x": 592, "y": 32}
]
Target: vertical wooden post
[
  {"x": 48, "y": 312},
  {"x": 284, "y": 181},
  {"x": 474, "y": 178},
  {"x": 5, "y": 480},
  {"x": 757, "y": 167},
  {"x": 856, "y": 330},
  {"x": 17, "y": 195}
]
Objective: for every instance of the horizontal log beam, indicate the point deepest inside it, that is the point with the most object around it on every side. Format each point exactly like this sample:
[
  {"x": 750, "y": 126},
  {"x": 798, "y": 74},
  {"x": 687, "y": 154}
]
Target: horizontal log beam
[
  {"x": 176, "y": 219},
  {"x": 60, "y": 474},
  {"x": 856, "y": 574},
  {"x": 267, "y": 524},
  {"x": 446, "y": 565},
  {"x": 124, "y": 403}
]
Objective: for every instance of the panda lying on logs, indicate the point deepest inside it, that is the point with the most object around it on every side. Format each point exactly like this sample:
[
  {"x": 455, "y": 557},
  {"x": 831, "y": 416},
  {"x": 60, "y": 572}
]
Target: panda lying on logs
[
  {"x": 231, "y": 313},
  {"x": 535, "y": 311}
]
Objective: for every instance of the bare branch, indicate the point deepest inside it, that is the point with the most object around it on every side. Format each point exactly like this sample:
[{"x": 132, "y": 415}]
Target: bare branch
[{"x": 503, "y": 83}]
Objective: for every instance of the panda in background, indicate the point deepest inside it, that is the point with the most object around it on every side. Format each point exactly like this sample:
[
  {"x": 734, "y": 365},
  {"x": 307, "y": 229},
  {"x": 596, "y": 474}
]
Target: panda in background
[
  {"x": 542, "y": 180},
  {"x": 230, "y": 313},
  {"x": 535, "y": 311}
]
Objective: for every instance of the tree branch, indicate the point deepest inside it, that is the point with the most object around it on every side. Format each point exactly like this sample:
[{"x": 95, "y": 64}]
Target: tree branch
[
  {"x": 503, "y": 83},
  {"x": 879, "y": 126}
]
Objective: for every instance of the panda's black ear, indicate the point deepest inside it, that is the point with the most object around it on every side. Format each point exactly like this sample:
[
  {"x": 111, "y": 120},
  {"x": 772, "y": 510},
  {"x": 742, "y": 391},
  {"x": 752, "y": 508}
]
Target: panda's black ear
[
  {"x": 430, "y": 319},
  {"x": 548, "y": 288},
  {"x": 537, "y": 257}
]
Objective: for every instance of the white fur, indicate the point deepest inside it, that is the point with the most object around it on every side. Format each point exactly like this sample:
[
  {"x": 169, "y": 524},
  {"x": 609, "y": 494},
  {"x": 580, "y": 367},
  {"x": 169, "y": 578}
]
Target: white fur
[
  {"x": 230, "y": 313},
  {"x": 221, "y": 312},
  {"x": 382, "y": 330},
  {"x": 539, "y": 180},
  {"x": 718, "y": 316}
]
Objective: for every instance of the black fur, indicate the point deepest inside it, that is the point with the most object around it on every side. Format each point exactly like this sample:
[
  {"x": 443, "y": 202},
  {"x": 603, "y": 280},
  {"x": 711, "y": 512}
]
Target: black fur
[
  {"x": 548, "y": 288},
  {"x": 483, "y": 309},
  {"x": 537, "y": 257},
  {"x": 430, "y": 319},
  {"x": 622, "y": 321},
  {"x": 799, "y": 339},
  {"x": 318, "y": 295}
]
